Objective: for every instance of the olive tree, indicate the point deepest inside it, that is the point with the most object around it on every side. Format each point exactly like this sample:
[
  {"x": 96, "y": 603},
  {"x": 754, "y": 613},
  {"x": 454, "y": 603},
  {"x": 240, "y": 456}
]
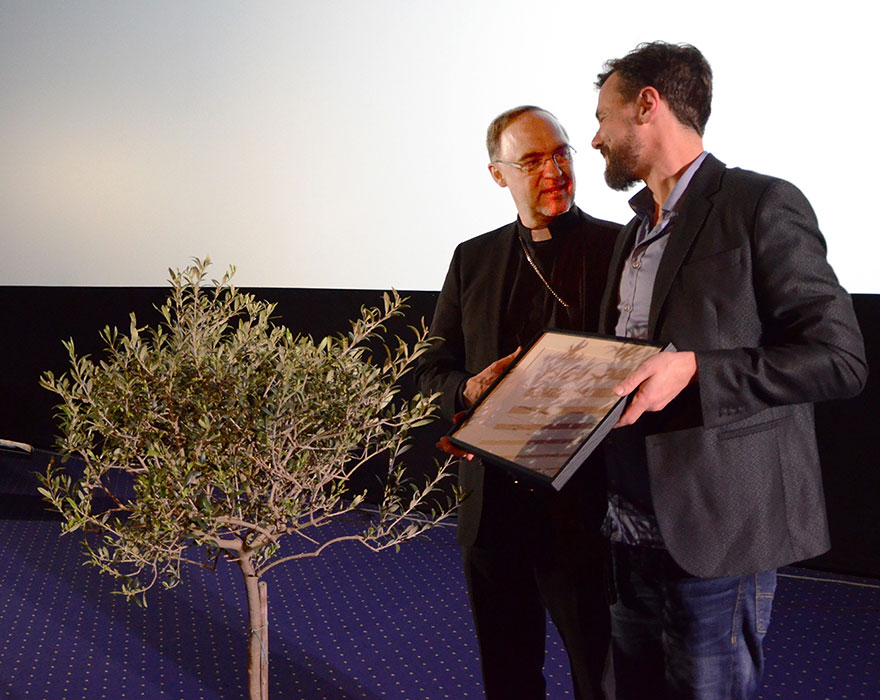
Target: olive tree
[{"x": 229, "y": 432}]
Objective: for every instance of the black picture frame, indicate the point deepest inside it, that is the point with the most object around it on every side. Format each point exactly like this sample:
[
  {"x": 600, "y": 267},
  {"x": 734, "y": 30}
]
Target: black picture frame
[{"x": 553, "y": 405}]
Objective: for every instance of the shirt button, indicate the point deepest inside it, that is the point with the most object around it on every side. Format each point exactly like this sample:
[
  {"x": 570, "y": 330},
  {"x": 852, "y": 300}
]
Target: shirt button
[
  {"x": 636, "y": 264},
  {"x": 627, "y": 307}
]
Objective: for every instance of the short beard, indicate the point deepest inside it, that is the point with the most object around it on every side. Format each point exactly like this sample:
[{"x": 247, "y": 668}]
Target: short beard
[{"x": 621, "y": 165}]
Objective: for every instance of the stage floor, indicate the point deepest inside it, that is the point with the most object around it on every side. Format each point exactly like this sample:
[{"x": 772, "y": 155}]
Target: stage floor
[{"x": 349, "y": 624}]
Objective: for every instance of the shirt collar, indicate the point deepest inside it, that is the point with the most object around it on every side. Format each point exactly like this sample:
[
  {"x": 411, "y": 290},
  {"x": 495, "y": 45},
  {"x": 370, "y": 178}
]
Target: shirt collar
[{"x": 643, "y": 201}]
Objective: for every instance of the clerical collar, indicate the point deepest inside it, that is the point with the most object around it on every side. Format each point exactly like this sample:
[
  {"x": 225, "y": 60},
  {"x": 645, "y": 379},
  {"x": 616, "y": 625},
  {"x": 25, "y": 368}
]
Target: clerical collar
[{"x": 558, "y": 227}]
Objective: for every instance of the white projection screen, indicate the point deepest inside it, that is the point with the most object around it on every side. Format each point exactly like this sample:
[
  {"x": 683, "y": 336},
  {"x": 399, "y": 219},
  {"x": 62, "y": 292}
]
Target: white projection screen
[{"x": 339, "y": 143}]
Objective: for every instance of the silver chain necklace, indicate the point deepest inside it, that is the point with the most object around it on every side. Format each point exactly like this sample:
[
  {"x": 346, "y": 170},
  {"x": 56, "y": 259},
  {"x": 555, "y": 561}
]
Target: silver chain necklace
[{"x": 538, "y": 272}]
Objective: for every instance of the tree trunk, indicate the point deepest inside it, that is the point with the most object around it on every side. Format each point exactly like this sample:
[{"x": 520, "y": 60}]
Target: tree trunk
[
  {"x": 258, "y": 634},
  {"x": 264, "y": 639}
]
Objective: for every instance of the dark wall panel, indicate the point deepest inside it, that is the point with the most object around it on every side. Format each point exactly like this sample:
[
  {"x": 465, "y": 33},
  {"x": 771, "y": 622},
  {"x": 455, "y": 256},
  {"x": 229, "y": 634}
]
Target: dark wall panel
[
  {"x": 36, "y": 319},
  {"x": 850, "y": 450}
]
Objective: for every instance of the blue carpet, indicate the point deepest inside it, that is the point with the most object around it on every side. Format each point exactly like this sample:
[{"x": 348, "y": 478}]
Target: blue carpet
[
  {"x": 824, "y": 638},
  {"x": 349, "y": 624}
]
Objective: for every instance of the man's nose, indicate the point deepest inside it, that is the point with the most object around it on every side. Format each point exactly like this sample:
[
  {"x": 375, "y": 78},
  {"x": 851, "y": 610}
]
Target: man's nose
[
  {"x": 555, "y": 168},
  {"x": 596, "y": 142}
]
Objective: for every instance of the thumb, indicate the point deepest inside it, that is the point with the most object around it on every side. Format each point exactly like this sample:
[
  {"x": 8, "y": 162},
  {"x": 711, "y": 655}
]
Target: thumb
[
  {"x": 632, "y": 381},
  {"x": 506, "y": 360}
]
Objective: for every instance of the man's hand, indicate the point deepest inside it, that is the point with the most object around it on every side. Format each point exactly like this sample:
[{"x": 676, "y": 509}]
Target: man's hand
[
  {"x": 473, "y": 389},
  {"x": 659, "y": 379},
  {"x": 446, "y": 445},
  {"x": 476, "y": 385}
]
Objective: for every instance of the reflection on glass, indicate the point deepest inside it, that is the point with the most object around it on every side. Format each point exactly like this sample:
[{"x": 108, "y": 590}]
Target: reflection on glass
[{"x": 550, "y": 401}]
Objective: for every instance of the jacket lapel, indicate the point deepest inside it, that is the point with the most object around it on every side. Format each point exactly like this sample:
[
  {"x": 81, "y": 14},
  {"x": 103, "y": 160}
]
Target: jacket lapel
[
  {"x": 494, "y": 300},
  {"x": 684, "y": 229}
]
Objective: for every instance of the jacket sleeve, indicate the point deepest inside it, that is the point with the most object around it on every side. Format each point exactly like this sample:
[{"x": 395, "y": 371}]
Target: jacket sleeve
[
  {"x": 811, "y": 347},
  {"x": 442, "y": 368}
]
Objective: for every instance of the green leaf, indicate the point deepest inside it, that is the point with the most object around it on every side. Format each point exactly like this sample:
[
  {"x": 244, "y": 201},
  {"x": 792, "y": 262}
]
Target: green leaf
[{"x": 230, "y": 425}]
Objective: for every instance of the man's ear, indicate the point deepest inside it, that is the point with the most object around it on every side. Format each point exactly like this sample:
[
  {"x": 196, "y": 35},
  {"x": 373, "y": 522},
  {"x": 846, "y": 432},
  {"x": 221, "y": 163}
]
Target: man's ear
[
  {"x": 497, "y": 175},
  {"x": 647, "y": 104}
]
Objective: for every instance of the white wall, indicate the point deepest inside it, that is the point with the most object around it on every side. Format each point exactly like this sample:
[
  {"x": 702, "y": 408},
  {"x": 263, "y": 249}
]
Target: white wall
[{"x": 339, "y": 143}]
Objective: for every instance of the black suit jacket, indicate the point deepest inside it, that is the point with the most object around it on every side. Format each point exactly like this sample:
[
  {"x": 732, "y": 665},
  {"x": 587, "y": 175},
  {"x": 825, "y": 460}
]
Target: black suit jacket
[
  {"x": 744, "y": 282},
  {"x": 468, "y": 320}
]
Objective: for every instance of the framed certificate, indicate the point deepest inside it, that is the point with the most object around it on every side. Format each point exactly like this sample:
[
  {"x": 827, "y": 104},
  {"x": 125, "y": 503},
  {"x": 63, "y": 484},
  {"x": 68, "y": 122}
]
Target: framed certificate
[{"x": 553, "y": 405}]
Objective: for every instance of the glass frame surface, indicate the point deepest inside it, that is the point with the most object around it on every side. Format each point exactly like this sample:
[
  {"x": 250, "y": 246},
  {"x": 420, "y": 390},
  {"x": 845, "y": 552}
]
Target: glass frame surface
[{"x": 553, "y": 405}]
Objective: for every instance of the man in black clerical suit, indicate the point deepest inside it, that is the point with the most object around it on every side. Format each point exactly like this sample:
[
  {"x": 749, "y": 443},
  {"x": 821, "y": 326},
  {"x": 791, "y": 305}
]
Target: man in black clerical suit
[
  {"x": 713, "y": 472},
  {"x": 526, "y": 550}
]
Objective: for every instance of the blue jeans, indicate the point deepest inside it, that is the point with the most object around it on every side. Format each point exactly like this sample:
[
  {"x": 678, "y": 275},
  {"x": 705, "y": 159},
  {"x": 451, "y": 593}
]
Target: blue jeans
[{"x": 677, "y": 637}]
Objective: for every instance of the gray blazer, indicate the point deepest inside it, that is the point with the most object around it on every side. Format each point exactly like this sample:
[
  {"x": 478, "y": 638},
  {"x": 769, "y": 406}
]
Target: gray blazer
[{"x": 744, "y": 282}]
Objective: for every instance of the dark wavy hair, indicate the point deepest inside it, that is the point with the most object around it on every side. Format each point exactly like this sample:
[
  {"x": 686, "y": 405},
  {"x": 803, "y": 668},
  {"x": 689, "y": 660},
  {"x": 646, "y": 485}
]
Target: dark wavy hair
[{"x": 679, "y": 72}]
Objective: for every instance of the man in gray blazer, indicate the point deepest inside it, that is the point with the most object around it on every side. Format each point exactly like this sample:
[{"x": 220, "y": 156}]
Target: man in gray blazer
[
  {"x": 713, "y": 472},
  {"x": 526, "y": 549}
]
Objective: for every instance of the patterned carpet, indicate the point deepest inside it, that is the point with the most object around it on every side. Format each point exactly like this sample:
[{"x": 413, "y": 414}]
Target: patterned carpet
[{"x": 350, "y": 624}]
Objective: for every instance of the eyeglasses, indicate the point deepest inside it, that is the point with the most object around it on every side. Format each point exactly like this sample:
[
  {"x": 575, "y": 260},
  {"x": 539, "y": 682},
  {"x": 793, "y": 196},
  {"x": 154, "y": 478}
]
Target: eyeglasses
[{"x": 562, "y": 159}]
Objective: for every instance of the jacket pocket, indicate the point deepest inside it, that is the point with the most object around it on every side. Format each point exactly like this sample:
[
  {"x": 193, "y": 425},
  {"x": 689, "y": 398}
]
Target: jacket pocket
[
  {"x": 716, "y": 261},
  {"x": 752, "y": 429}
]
